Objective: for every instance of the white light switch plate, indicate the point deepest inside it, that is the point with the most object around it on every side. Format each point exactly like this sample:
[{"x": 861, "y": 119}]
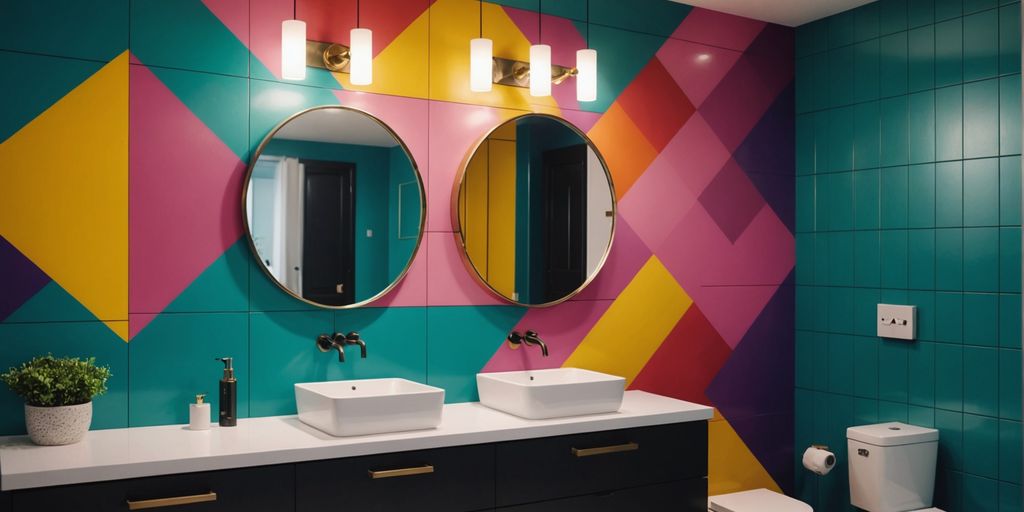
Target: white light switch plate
[{"x": 898, "y": 322}]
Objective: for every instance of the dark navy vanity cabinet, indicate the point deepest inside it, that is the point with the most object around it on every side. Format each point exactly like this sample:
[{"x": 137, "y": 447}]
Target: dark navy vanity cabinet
[{"x": 658, "y": 468}]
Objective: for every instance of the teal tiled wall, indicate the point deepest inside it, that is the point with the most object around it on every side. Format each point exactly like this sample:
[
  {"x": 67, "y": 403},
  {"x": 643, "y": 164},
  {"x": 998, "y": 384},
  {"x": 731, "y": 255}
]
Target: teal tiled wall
[{"x": 908, "y": 192}]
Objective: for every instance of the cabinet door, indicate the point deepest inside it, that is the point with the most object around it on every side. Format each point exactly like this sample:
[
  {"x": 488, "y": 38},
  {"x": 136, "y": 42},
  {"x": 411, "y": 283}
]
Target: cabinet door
[
  {"x": 5, "y": 502},
  {"x": 236, "y": 490},
  {"x": 684, "y": 496},
  {"x": 446, "y": 479},
  {"x": 557, "y": 467}
]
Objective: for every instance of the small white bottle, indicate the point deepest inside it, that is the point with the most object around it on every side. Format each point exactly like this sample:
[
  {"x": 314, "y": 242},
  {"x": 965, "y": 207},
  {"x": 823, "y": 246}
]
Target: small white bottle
[{"x": 199, "y": 414}]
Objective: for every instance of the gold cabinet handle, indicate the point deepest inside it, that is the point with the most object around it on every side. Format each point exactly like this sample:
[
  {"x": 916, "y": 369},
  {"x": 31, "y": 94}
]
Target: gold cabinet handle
[
  {"x": 601, "y": 450},
  {"x": 391, "y": 473},
  {"x": 171, "y": 502}
]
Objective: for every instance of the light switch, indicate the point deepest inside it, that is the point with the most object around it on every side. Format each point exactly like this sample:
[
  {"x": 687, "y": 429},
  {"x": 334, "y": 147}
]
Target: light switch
[
  {"x": 898, "y": 322},
  {"x": 369, "y": 233}
]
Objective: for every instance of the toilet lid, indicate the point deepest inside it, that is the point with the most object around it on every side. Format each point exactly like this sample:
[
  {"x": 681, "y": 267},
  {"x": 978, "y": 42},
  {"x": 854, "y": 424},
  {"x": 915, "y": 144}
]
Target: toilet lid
[{"x": 758, "y": 500}]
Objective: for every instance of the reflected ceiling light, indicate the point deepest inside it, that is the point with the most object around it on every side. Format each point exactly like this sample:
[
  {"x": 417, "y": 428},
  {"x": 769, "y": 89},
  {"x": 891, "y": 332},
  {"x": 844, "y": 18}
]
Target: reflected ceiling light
[
  {"x": 703, "y": 57},
  {"x": 361, "y": 53},
  {"x": 481, "y": 63},
  {"x": 293, "y": 48}
]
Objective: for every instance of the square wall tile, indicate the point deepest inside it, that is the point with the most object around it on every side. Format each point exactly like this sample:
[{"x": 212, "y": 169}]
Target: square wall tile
[
  {"x": 892, "y": 16},
  {"x": 946, "y": 9},
  {"x": 893, "y": 371},
  {"x": 1009, "y": 115},
  {"x": 187, "y": 36},
  {"x": 820, "y": 308},
  {"x": 980, "y": 493},
  {"x": 865, "y": 22},
  {"x": 840, "y": 29},
  {"x": 894, "y": 258},
  {"x": 949, "y": 259},
  {"x": 920, "y": 12},
  {"x": 981, "y": 316},
  {"x": 1009, "y": 320},
  {"x": 804, "y": 308},
  {"x": 1009, "y": 38},
  {"x": 865, "y": 71},
  {"x": 922, "y": 120},
  {"x": 840, "y": 75},
  {"x": 822, "y": 266},
  {"x": 894, "y": 197},
  {"x": 821, "y": 346},
  {"x": 981, "y": 259},
  {"x": 893, "y": 411},
  {"x": 867, "y": 262},
  {"x": 804, "y": 362},
  {"x": 949, "y": 317},
  {"x": 981, "y": 119},
  {"x": 841, "y": 256},
  {"x": 921, "y": 416},
  {"x": 865, "y": 305},
  {"x": 804, "y": 258},
  {"x": 804, "y": 139},
  {"x": 865, "y": 411},
  {"x": 894, "y": 116},
  {"x": 921, "y": 58},
  {"x": 865, "y": 367},
  {"x": 867, "y": 130},
  {"x": 1009, "y": 259},
  {"x": 921, "y": 192},
  {"x": 981, "y": 192},
  {"x": 949, "y": 52},
  {"x": 921, "y": 376},
  {"x": 1010, "y": 497},
  {"x": 972, "y": 6},
  {"x": 866, "y": 207},
  {"x": 950, "y": 425},
  {"x": 840, "y": 139},
  {"x": 981, "y": 382},
  {"x": 1009, "y": 185},
  {"x": 925, "y": 302},
  {"x": 949, "y": 114},
  {"x": 949, "y": 194},
  {"x": 1009, "y": 384},
  {"x": 840, "y": 201},
  {"x": 1010, "y": 450},
  {"x": 805, "y": 203},
  {"x": 981, "y": 45},
  {"x": 822, "y": 201},
  {"x": 819, "y": 81},
  {"x": 921, "y": 259},
  {"x": 840, "y": 371},
  {"x": 981, "y": 442},
  {"x": 893, "y": 64}
]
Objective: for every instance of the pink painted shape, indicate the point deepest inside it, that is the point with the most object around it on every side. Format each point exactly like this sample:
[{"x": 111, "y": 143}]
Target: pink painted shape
[
  {"x": 702, "y": 259},
  {"x": 234, "y": 14},
  {"x": 265, "y": 17},
  {"x": 658, "y": 201},
  {"x": 744, "y": 95},
  {"x": 627, "y": 257},
  {"x": 563, "y": 37},
  {"x": 182, "y": 189},
  {"x": 137, "y": 321},
  {"x": 733, "y": 309},
  {"x": 582, "y": 119},
  {"x": 696, "y": 68},
  {"x": 563, "y": 327},
  {"x": 406, "y": 116},
  {"x": 718, "y": 29},
  {"x": 412, "y": 291},
  {"x": 449, "y": 282},
  {"x": 697, "y": 152},
  {"x": 455, "y": 130}
]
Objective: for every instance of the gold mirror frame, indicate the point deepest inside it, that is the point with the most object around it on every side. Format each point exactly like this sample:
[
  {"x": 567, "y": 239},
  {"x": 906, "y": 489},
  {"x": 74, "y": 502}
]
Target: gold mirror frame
[
  {"x": 245, "y": 207},
  {"x": 457, "y": 225}
]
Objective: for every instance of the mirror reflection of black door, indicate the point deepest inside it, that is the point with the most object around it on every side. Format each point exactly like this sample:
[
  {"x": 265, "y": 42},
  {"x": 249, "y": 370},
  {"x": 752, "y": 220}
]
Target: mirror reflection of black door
[
  {"x": 328, "y": 247},
  {"x": 565, "y": 220}
]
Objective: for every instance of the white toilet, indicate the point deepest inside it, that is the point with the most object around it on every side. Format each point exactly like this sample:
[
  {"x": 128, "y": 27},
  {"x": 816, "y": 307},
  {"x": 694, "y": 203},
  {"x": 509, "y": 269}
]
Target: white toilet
[{"x": 892, "y": 469}]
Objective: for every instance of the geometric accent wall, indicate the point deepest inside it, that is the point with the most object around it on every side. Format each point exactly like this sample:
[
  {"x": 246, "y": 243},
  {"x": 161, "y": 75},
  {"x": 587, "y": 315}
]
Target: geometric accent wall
[
  {"x": 128, "y": 125},
  {"x": 908, "y": 192}
]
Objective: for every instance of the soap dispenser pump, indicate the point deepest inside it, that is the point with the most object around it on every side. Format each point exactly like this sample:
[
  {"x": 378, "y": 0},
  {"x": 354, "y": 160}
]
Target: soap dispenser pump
[{"x": 228, "y": 395}]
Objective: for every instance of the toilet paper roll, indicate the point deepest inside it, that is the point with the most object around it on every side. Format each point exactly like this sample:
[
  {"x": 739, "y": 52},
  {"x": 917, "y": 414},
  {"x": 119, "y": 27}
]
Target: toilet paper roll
[{"x": 819, "y": 461}]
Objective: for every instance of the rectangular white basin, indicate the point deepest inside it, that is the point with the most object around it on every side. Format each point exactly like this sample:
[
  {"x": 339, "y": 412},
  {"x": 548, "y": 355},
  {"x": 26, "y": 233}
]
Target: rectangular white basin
[
  {"x": 370, "y": 406},
  {"x": 554, "y": 393}
]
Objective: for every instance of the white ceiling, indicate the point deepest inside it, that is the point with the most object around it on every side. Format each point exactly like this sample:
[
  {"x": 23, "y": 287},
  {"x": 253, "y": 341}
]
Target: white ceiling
[
  {"x": 791, "y": 13},
  {"x": 335, "y": 125}
]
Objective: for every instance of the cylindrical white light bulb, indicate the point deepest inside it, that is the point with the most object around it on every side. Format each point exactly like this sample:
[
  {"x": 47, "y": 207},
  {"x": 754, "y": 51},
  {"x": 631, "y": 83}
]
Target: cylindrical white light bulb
[
  {"x": 293, "y": 50},
  {"x": 586, "y": 75},
  {"x": 540, "y": 70},
  {"x": 361, "y": 53},
  {"x": 480, "y": 64}
]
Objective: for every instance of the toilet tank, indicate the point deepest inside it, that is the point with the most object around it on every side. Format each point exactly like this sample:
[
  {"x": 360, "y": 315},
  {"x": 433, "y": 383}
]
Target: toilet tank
[{"x": 892, "y": 466}]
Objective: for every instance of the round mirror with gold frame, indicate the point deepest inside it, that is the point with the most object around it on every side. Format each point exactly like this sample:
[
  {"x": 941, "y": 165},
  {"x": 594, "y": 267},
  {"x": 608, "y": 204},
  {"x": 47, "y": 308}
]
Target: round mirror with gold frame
[
  {"x": 333, "y": 207},
  {"x": 534, "y": 210}
]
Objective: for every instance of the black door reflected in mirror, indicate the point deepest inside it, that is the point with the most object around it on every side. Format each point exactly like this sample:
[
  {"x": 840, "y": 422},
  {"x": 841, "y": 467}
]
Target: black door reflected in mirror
[
  {"x": 535, "y": 211},
  {"x": 333, "y": 207}
]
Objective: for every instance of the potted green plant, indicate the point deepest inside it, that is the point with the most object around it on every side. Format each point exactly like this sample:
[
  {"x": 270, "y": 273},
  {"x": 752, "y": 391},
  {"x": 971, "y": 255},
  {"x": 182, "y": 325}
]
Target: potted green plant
[{"x": 58, "y": 395}]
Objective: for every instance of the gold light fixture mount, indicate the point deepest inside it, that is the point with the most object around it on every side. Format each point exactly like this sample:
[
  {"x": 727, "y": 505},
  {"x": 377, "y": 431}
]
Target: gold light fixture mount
[
  {"x": 330, "y": 56},
  {"x": 517, "y": 73}
]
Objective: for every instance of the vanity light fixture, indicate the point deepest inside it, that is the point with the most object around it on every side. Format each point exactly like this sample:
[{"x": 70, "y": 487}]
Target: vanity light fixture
[
  {"x": 361, "y": 53},
  {"x": 586, "y": 68},
  {"x": 293, "y": 47},
  {"x": 481, "y": 61},
  {"x": 540, "y": 60}
]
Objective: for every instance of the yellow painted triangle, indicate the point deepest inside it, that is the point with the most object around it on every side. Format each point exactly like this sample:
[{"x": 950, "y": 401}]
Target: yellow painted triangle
[
  {"x": 64, "y": 192},
  {"x": 452, "y": 24},
  {"x": 400, "y": 69},
  {"x": 120, "y": 327},
  {"x": 731, "y": 465},
  {"x": 636, "y": 323}
]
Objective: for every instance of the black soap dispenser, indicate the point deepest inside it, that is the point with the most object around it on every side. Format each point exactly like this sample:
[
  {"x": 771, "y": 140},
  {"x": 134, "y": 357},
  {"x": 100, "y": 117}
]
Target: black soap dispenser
[{"x": 228, "y": 395}]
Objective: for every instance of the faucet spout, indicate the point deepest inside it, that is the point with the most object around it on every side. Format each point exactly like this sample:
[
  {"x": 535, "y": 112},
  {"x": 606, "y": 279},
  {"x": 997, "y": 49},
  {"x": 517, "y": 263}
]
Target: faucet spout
[
  {"x": 353, "y": 338},
  {"x": 531, "y": 338}
]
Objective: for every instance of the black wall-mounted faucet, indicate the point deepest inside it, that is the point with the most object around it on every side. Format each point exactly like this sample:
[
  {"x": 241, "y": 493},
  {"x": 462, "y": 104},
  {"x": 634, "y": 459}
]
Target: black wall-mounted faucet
[
  {"x": 337, "y": 341},
  {"x": 515, "y": 340}
]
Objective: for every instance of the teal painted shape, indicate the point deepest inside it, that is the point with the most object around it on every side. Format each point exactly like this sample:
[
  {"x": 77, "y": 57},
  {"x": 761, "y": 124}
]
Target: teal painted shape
[
  {"x": 621, "y": 56},
  {"x": 184, "y": 34},
  {"x": 316, "y": 77},
  {"x": 283, "y": 352},
  {"x": 220, "y": 102},
  {"x": 649, "y": 16},
  {"x": 462, "y": 340},
  {"x": 95, "y": 30},
  {"x": 33, "y": 83},
  {"x": 221, "y": 287},
  {"x": 22, "y": 342},
  {"x": 270, "y": 103},
  {"x": 53, "y": 304},
  {"x": 265, "y": 295},
  {"x": 572, "y": 9},
  {"x": 173, "y": 359}
]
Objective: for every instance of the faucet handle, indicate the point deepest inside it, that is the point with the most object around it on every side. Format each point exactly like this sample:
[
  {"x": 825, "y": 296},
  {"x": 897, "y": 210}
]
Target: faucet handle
[
  {"x": 515, "y": 339},
  {"x": 352, "y": 337},
  {"x": 324, "y": 342}
]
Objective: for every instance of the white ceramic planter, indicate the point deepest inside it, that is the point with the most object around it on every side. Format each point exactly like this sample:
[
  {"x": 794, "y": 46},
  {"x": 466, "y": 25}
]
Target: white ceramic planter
[{"x": 50, "y": 426}]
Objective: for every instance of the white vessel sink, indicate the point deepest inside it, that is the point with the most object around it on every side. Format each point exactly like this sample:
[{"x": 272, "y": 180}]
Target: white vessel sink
[
  {"x": 371, "y": 406},
  {"x": 555, "y": 393}
]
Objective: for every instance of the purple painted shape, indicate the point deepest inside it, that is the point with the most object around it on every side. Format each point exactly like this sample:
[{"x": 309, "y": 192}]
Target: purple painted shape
[
  {"x": 732, "y": 200},
  {"x": 758, "y": 381},
  {"x": 768, "y": 157},
  {"x": 22, "y": 279}
]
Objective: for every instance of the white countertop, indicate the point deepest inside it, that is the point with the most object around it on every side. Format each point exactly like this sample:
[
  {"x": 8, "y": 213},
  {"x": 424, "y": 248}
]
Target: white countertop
[{"x": 147, "y": 451}]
